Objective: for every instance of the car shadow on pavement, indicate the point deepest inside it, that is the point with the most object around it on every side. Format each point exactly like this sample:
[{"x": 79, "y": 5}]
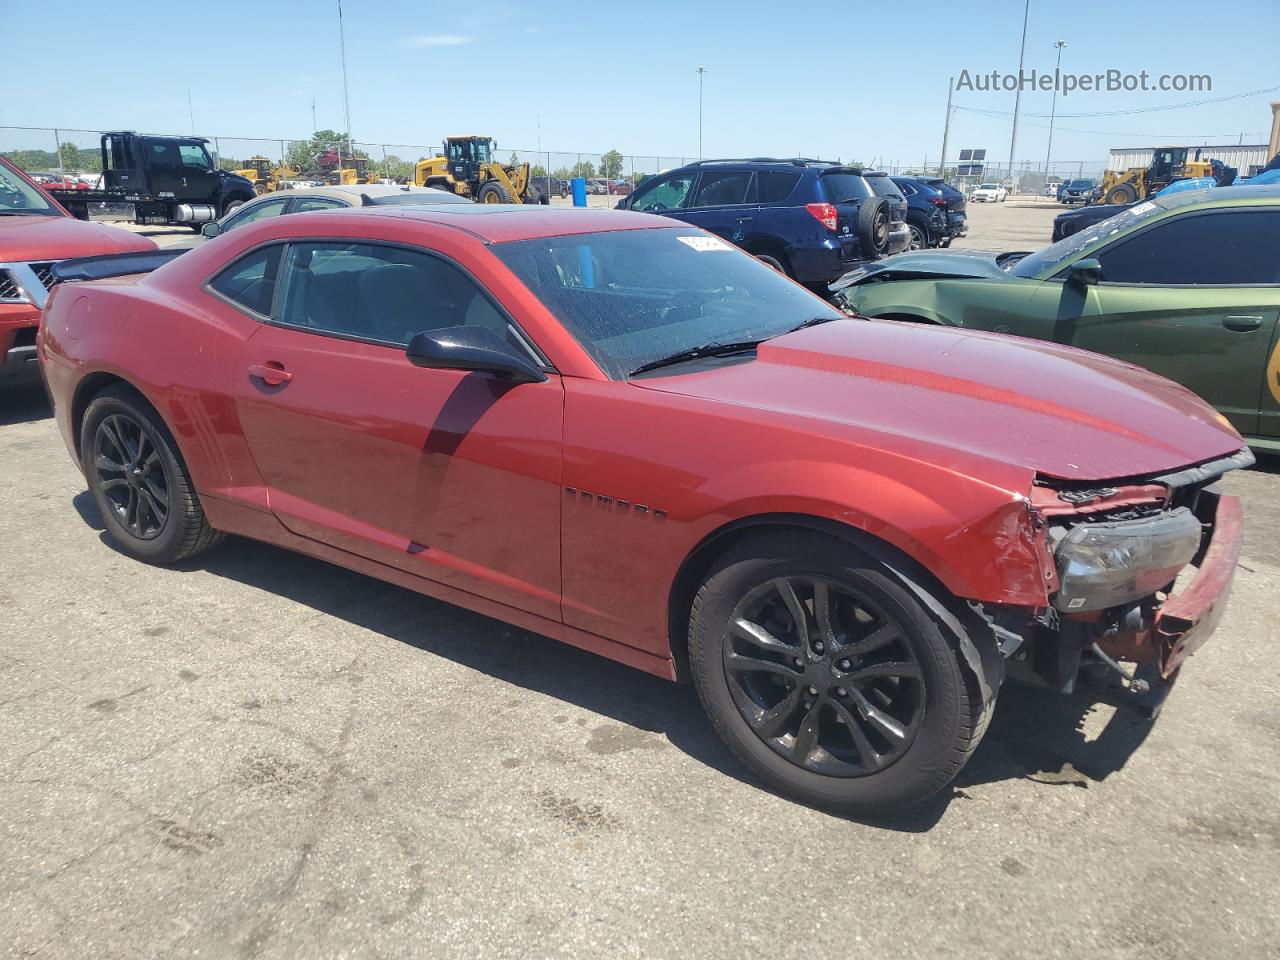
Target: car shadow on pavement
[
  {"x": 1033, "y": 736},
  {"x": 23, "y": 404}
]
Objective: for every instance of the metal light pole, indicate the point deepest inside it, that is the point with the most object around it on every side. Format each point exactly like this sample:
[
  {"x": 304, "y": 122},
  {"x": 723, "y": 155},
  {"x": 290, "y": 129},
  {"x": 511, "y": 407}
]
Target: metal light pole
[
  {"x": 1017, "y": 98},
  {"x": 701, "y": 71},
  {"x": 1057, "y": 75},
  {"x": 946, "y": 131},
  {"x": 346, "y": 102}
]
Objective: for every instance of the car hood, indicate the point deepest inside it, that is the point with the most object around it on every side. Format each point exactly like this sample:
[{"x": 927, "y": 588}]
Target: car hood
[
  {"x": 954, "y": 396},
  {"x": 57, "y": 238},
  {"x": 926, "y": 265}
]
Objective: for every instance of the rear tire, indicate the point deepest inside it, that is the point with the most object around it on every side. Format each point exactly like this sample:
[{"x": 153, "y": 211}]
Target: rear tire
[
  {"x": 771, "y": 261},
  {"x": 919, "y": 238},
  {"x": 1121, "y": 193},
  {"x": 867, "y": 709},
  {"x": 139, "y": 481}
]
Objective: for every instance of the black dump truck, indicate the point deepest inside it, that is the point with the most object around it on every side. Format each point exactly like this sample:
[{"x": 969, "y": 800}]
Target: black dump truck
[{"x": 167, "y": 180}]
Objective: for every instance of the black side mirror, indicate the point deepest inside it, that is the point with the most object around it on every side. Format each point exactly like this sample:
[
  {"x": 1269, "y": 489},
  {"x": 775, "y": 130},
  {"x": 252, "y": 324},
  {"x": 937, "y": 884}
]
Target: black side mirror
[
  {"x": 472, "y": 348},
  {"x": 1084, "y": 273},
  {"x": 211, "y": 229}
]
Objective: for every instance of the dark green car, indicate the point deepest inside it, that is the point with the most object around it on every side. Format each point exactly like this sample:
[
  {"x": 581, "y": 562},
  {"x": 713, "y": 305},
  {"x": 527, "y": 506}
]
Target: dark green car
[{"x": 1187, "y": 286}]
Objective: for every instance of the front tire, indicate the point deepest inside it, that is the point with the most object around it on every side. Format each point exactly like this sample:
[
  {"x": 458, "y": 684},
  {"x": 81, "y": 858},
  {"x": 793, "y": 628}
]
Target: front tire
[
  {"x": 828, "y": 678},
  {"x": 139, "y": 481},
  {"x": 495, "y": 192}
]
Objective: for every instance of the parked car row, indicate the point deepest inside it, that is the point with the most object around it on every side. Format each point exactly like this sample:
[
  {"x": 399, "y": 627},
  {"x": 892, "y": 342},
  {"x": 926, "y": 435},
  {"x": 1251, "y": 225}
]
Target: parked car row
[
  {"x": 635, "y": 434},
  {"x": 809, "y": 219}
]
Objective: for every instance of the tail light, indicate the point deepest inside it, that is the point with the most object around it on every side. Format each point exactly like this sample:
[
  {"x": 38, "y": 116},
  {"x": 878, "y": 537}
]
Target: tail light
[
  {"x": 825, "y": 214},
  {"x": 938, "y": 201}
]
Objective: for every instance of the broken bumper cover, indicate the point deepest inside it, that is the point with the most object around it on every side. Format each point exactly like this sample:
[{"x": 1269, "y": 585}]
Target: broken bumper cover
[{"x": 1187, "y": 619}]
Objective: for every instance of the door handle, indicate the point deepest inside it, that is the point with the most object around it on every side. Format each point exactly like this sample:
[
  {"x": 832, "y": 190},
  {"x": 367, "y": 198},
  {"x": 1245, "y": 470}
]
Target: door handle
[
  {"x": 1242, "y": 324},
  {"x": 272, "y": 373}
]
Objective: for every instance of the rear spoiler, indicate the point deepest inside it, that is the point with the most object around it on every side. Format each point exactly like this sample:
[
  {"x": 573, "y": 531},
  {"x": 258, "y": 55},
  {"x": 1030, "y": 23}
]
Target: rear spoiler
[{"x": 109, "y": 265}]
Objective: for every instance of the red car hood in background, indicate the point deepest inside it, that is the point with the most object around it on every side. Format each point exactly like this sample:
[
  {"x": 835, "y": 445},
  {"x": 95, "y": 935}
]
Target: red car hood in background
[
  {"x": 57, "y": 238},
  {"x": 1051, "y": 409}
]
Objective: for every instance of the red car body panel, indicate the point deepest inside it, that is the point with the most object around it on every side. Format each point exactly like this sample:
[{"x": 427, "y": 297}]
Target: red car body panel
[
  {"x": 46, "y": 238},
  {"x": 570, "y": 506}
]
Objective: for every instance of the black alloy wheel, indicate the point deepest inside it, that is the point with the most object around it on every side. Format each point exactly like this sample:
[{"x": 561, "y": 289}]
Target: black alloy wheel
[
  {"x": 823, "y": 675},
  {"x": 131, "y": 475},
  {"x": 139, "y": 481},
  {"x": 824, "y": 671}
]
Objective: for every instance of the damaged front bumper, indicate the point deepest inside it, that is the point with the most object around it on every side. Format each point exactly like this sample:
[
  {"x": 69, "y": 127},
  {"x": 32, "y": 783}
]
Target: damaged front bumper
[
  {"x": 1185, "y": 620},
  {"x": 1114, "y": 597}
]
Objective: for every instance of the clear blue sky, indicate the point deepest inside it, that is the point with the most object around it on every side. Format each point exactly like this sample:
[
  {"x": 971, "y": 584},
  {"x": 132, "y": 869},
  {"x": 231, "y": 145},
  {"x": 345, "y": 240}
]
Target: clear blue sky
[{"x": 853, "y": 80}]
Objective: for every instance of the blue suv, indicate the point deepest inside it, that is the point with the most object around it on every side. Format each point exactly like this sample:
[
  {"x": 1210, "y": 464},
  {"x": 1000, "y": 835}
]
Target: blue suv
[
  {"x": 1076, "y": 191},
  {"x": 810, "y": 219},
  {"x": 935, "y": 211}
]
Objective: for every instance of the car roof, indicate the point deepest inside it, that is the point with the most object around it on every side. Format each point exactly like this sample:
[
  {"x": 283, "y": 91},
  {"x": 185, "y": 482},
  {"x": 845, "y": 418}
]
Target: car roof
[
  {"x": 503, "y": 222},
  {"x": 1244, "y": 195}
]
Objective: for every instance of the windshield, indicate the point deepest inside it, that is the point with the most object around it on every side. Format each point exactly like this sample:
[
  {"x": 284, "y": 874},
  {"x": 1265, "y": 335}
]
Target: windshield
[
  {"x": 634, "y": 296},
  {"x": 1051, "y": 256},
  {"x": 988, "y": 186},
  {"x": 1082, "y": 183},
  {"x": 19, "y": 198}
]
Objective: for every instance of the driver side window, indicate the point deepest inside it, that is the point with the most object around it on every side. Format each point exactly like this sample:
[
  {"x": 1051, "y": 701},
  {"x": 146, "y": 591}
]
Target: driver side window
[
  {"x": 1220, "y": 248},
  {"x": 665, "y": 195}
]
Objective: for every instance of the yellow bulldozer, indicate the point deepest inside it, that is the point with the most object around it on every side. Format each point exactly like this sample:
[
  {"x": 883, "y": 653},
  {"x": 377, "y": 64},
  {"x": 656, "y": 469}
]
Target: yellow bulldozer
[
  {"x": 265, "y": 177},
  {"x": 1167, "y": 165},
  {"x": 466, "y": 167}
]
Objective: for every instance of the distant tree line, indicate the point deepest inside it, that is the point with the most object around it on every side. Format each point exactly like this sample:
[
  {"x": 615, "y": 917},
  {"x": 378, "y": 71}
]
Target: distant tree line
[{"x": 75, "y": 159}]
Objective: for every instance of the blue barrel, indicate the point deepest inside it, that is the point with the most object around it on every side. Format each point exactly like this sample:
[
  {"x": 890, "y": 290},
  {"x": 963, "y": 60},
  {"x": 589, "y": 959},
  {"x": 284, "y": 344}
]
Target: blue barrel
[{"x": 579, "y": 191}]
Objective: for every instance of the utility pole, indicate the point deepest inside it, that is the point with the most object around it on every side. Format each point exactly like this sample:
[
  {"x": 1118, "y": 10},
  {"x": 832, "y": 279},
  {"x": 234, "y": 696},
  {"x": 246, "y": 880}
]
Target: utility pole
[
  {"x": 191, "y": 112},
  {"x": 946, "y": 129},
  {"x": 314, "y": 128},
  {"x": 1017, "y": 97},
  {"x": 346, "y": 101},
  {"x": 701, "y": 71},
  {"x": 1057, "y": 78}
]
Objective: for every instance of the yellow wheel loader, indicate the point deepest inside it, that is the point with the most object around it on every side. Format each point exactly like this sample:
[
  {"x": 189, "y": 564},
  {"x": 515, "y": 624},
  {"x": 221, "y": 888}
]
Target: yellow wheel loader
[
  {"x": 1167, "y": 165},
  {"x": 466, "y": 167},
  {"x": 266, "y": 178}
]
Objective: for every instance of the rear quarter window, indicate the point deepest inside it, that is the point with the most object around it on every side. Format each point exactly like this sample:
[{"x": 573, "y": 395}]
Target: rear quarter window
[
  {"x": 775, "y": 186},
  {"x": 845, "y": 187}
]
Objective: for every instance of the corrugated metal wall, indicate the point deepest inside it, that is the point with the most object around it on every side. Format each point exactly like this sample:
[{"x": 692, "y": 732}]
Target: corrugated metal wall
[{"x": 1243, "y": 157}]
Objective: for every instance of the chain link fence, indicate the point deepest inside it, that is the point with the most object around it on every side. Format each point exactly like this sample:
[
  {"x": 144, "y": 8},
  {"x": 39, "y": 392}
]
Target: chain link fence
[{"x": 74, "y": 154}]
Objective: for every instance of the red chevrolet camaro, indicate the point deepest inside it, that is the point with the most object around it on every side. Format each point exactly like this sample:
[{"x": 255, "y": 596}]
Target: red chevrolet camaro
[{"x": 627, "y": 434}]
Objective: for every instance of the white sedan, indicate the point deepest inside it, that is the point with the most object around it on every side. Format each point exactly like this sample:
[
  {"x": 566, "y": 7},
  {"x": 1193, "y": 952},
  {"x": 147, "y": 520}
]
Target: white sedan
[
  {"x": 995, "y": 192},
  {"x": 303, "y": 199}
]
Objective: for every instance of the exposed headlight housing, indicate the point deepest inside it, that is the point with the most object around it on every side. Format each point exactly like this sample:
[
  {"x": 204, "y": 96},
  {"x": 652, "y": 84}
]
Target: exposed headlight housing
[{"x": 1104, "y": 565}]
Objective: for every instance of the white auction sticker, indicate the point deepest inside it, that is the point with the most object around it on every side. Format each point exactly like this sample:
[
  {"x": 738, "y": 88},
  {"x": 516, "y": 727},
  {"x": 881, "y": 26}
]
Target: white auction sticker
[{"x": 703, "y": 244}]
